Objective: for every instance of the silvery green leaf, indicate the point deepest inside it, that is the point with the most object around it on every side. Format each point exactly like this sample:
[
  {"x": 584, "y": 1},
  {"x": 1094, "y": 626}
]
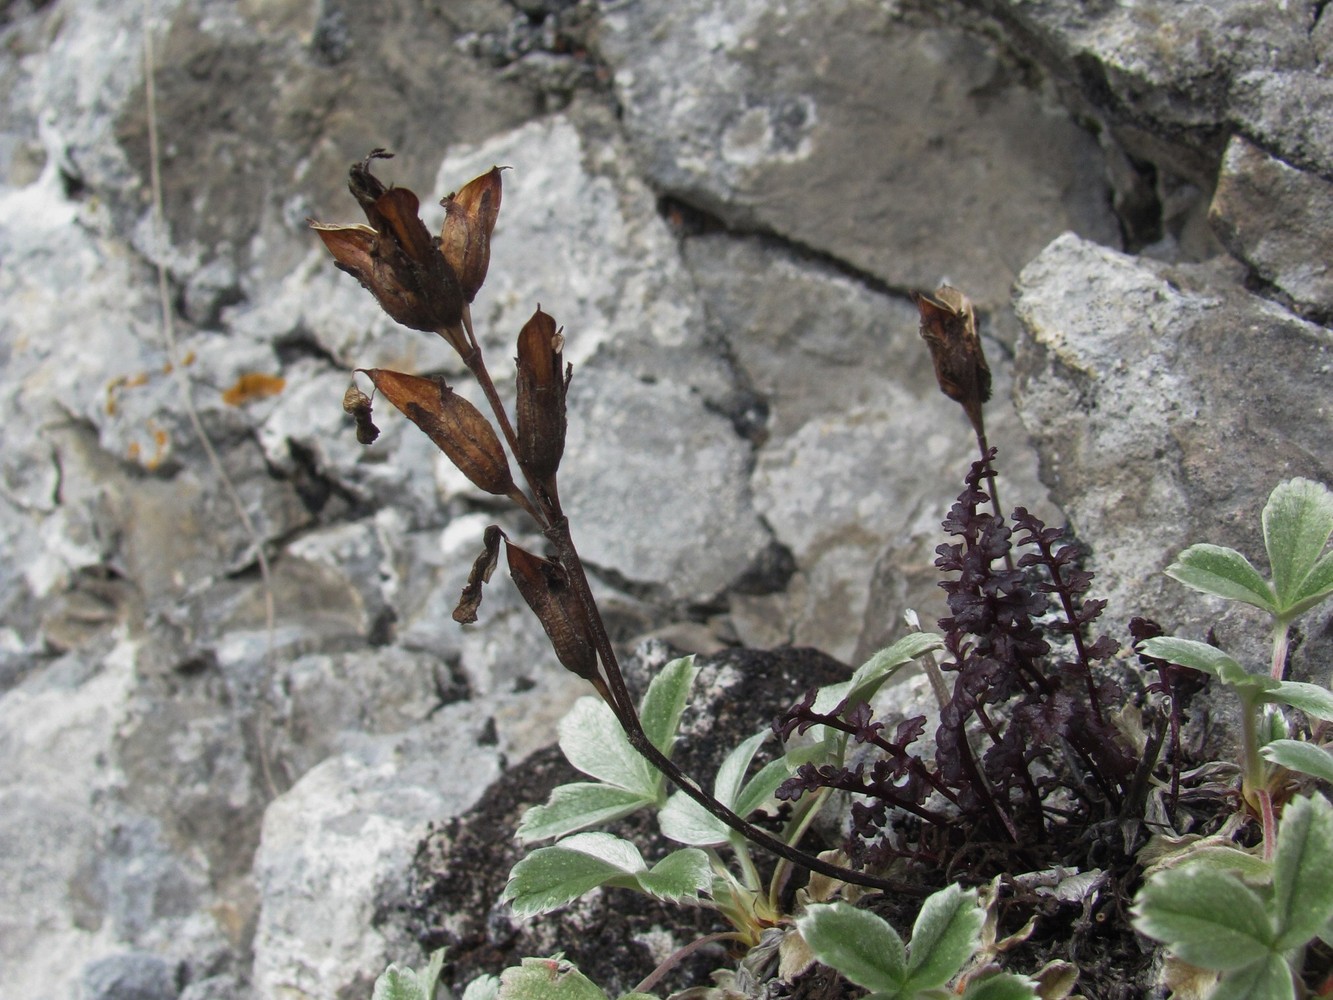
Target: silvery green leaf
[
  {"x": 547, "y": 979},
  {"x": 1302, "y": 888},
  {"x": 872, "y": 674},
  {"x": 592, "y": 740},
  {"x": 1002, "y": 986},
  {"x": 1297, "y": 755},
  {"x": 1309, "y": 698},
  {"x": 1223, "y": 572},
  {"x": 944, "y": 937},
  {"x": 398, "y": 984},
  {"x": 1297, "y": 520},
  {"x": 1209, "y": 659},
  {"x": 686, "y": 822},
  {"x": 402, "y": 983},
  {"x": 857, "y": 943},
  {"x": 682, "y": 874},
  {"x": 551, "y": 876},
  {"x": 665, "y": 701},
  {"x": 483, "y": 988},
  {"x": 758, "y": 791},
  {"x": 869, "y": 676},
  {"x": 1269, "y": 979},
  {"x": 1208, "y": 918},
  {"x": 577, "y": 806}
]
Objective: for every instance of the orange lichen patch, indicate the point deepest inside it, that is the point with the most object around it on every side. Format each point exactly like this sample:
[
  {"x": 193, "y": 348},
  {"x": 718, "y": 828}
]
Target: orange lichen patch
[
  {"x": 186, "y": 361},
  {"x": 161, "y": 448},
  {"x": 252, "y": 386},
  {"x": 120, "y": 382}
]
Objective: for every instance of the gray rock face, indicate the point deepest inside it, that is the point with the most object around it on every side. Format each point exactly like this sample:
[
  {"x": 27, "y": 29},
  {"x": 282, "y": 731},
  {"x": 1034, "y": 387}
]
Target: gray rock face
[
  {"x": 219, "y": 766},
  {"x": 1167, "y": 403},
  {"x": 899, "y": 143},
  {"x": 1277, "y": 220}
]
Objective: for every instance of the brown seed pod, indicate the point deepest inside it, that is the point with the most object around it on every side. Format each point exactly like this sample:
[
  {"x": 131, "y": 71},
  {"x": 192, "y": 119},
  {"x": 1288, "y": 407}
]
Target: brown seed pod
[
  {"x": 469, "y": 220},
  {"x": 949, "y": 327},
  {"x": 546, "y": 590},
  {"x": 540, "y": 404},
  {"x": 395, "y": 258},
  {"x": 457, "y": 427}
]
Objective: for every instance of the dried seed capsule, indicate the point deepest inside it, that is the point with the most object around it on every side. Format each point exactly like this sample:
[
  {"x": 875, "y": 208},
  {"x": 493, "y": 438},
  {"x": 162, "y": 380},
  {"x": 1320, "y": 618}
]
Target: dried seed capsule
[
  {"x": 469, "y": 220},
  {"x": 949, "y": 327},
  {"x": 396, "y": 259},
  {"x": 540, "y": 405},
  {"x": 457, "y": 427},
  {"x": 546, "y": 590}
]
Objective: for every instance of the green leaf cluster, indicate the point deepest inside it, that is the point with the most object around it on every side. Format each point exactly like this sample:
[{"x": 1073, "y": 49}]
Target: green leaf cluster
[
  {"x": 1297, "y": 524},
  {"x": 402, "y": 983},
  {"x": 1209, "y": 917},
  {"x": 868, "y": 952},
  {"x": 552, "y": 979}
]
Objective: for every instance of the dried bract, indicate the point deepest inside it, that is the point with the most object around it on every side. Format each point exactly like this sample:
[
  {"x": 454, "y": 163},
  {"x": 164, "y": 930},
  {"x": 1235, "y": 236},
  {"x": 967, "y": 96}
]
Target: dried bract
[
  {"x": 949, "y": 327},
  {"x": 540, "y": 406},
  {"x": 457, "y": 427},
  {"x": 482, "y": 568},
  {"x": 396, "y": 258},
  {"x": 356, "y": 404},
  {"x": 469, "y": 220}
]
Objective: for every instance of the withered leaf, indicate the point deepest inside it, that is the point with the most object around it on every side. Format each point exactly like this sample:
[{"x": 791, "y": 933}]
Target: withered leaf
[
  {"x": 482, "y": 568},
  {"x": 949, "y": 327},
  {"x": 540, "y": 404},
  {"x": 469, "y": 220},
  {"x": 457, "y": 427}
]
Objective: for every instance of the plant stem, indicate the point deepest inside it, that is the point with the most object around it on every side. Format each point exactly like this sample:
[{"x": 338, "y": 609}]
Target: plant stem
[
  {"x": 1280, "y": 643},
  {"x": 558, "y": 534},
  {"x": 1252, "y": 787},
  {"x": 679, "y": 955},
  {"x": 994, "y": 490},
  {"x": 555, "y": 526}
]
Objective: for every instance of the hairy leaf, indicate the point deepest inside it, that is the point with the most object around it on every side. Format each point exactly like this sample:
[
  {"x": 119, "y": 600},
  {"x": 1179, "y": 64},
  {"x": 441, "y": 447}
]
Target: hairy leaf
[
  {"x": 552, "y": 876},
  {"x": 593, "y": 741},
  {"x": 402, "y": 983},
  {"x": 686, "y": 822},
  {"x": 1208, "y": 918},
  {"x": 1302, "y": 888},
  {"x": 1209, "y": 659},
  {"x": 857, "y": 943},
  {"x": 1003, "y": 986},
  {"x": 1297, "y": 520},
  {"x": 1223, "y": 572},
  {"x": 1266, "y": 980},
  {"x": 1297, "y": 755},
  {"x": 577, "y": 806},
  {"x": 547, "y": 979},
  {"x": 1309, "y": 698},
  {"x": 944, "y": 937},
  {"x": 665, "y": 701}
]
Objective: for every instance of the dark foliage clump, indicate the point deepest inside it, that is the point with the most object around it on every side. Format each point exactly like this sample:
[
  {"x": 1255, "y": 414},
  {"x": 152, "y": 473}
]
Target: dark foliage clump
[{"x": 1029, "y": 768}]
